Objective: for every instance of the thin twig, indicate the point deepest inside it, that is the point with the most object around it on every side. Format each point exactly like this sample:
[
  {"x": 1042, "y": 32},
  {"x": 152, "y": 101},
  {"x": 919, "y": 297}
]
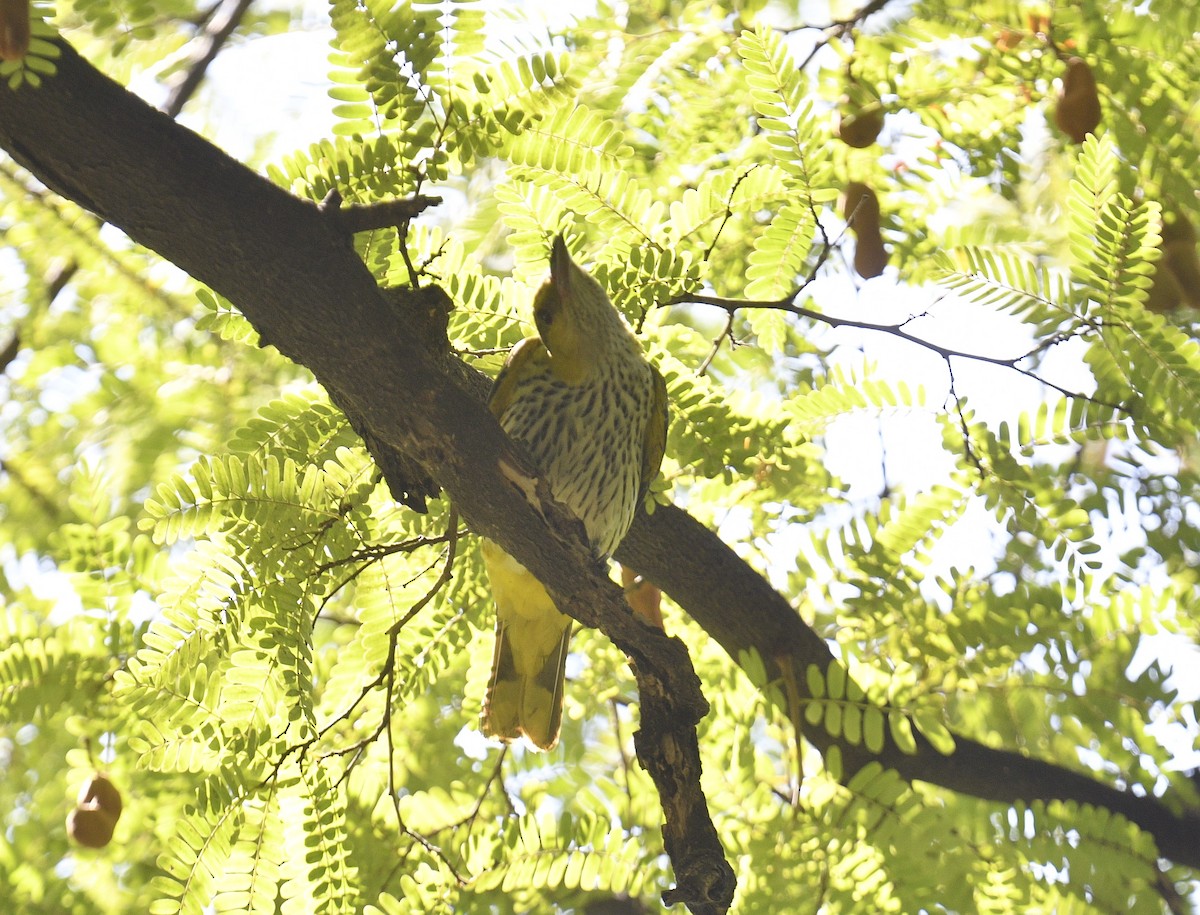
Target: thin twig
[
  {"x": 446, "y": 574},
  {"x": 390, "y": 672},
  {"x": 964, "y": 426},
  {"x": 372, "y": 554},
  {"x": 728, "y": 209},
  {"x": 896, "y": 330},
  {"x": 402, "y": 243},
  {"x": 616, "y": 717},
  {"x": 469, "y": 820},
  {"x": 57, "y": 278},
  {"x": 842, "y": 24},
  {"x": 836, "y": 28},
  {"x": 387, "y": 671},
  {"x": 481, "y": 353},
  {"x": 822, "y": 256},
  {"x": 716, "y": 346},
  {"x": 394, "y": 793},
  {"x": 224, "y": 22}
]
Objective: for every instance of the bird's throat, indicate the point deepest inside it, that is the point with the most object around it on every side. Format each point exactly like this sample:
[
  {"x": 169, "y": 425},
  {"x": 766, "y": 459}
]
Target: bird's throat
[{"x": 571, "y": 358}]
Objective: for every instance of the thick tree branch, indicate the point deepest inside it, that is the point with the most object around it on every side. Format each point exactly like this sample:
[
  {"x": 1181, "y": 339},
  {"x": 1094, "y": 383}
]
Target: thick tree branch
[
  {"x": 296, "y": 277},
  {"x": 740, "y": 609}
]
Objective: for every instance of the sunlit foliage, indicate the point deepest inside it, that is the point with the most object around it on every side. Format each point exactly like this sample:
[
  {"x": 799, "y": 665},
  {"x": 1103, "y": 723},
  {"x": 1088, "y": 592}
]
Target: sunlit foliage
[{"x": 207, "y": 592}]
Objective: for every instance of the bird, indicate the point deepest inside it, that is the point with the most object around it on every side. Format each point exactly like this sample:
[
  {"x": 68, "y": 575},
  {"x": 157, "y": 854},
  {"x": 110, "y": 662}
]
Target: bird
[{"x": 581, "y": 396}]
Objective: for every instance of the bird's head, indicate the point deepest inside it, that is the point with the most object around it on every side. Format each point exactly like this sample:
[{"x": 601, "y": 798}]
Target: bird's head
[{"x": 574, "y": 317}]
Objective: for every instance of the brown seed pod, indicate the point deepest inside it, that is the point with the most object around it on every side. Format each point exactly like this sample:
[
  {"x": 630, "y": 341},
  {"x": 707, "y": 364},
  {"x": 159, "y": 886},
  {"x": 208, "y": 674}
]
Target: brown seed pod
[
  {"x": 14, "y": 29},
  {"x": 90, "y": 826},
  {"x": 1177, "y": 228},
  {"x": 870, "y": 256},
  {"x": 99, "y": 792},
  {"x": 858, "y": 125},
  {"x": 1008, "y": 39},
  {"x": 1078, "y": 112},
  {"x": 860, "y": 206},
  {"x": 1165, "y": 294},
  {"x": 1177, "y": 273},
  {"x": 1177, "y": 280}
]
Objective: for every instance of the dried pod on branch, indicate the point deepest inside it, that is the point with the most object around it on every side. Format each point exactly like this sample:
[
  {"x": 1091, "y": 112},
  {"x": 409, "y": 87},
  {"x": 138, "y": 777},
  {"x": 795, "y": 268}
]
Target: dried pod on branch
[
  {"x": 859, "y": 117},
  {"x": 860, "y": 206},
  {"x": 90, "y": 827},
  {"x": 14, "y": 29},
  {"x": 1078, "y": 111},
  {"x": 1177, "y": 277},
  {"x": 95, "y": 816}
]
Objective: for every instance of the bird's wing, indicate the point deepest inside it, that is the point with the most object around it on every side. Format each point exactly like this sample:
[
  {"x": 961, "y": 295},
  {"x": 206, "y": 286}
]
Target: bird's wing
[
  {"x": 522, "y": 357},
  {"x": 654, "y": 445}
]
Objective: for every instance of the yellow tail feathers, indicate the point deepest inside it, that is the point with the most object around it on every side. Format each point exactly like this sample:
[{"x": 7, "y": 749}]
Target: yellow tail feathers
[{"x": 525, "y": 694}]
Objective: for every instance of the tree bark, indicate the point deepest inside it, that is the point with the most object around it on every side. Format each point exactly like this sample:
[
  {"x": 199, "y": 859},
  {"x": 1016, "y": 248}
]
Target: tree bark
[
  {"x": 294, "y": 274},
  {"x": 739, "y": 608},
  {"x": 292, "y": 270}
]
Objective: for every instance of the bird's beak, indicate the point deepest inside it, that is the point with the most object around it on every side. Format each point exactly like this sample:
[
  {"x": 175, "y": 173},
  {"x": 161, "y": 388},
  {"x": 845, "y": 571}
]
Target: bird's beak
[{"x": 561, "y": 266}]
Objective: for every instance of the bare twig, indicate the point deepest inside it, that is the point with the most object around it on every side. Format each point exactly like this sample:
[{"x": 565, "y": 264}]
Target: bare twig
[
  {"x": 413, "y": 277},
  {"x": 615, "y": 708},
  {"x": 223, "y": 23},
  {"x": 728, "y": 210},
  {"x": 367, "y": 217},
  {"x": 844, "y": 25},
  {"x": 495, "y": 777},
  {"x": 58, "y": 277},
  {"x": 372, "y": 554},
  {"x": 964, "y": 427},
  {"x": 727, "y": 332},
  {"x": 394, "y": 792},
  {"x": 823, "y": 255},
  {"x": 837, "y": 28},
  {"x": 787, "y": 304},
  {"x": 387, "y": 671}
]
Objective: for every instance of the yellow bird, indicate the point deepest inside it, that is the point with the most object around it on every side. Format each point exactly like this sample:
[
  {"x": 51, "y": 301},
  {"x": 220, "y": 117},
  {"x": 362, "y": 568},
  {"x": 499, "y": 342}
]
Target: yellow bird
[{"x": 593, "y": 413}]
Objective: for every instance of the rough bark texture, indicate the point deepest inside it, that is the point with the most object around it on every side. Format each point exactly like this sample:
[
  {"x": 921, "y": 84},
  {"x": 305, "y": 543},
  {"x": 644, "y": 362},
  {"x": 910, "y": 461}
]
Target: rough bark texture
[
  {"x": 292, "y": 271},
  {"x": 740, "y": 609}
]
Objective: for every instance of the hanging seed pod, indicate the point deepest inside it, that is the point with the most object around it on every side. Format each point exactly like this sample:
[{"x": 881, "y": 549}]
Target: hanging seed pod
[
  {"x": 14, "y": 29},
  {"x": 859, "y": 116},
  {"x": 1177, "y": 277},
  {"x": 91, "y": 827},
  {"x": 95, "y": 816},
  {"x": 860, "y": 206},
  {"x": 99, "y": 792},
  {"x": 1078, "y": 112},
  {"x": 858, "y": 127}
]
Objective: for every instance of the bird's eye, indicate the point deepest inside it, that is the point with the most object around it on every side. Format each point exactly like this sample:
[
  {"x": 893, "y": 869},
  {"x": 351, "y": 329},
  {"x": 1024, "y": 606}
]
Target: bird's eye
[{"x": 545, "y": 306}]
